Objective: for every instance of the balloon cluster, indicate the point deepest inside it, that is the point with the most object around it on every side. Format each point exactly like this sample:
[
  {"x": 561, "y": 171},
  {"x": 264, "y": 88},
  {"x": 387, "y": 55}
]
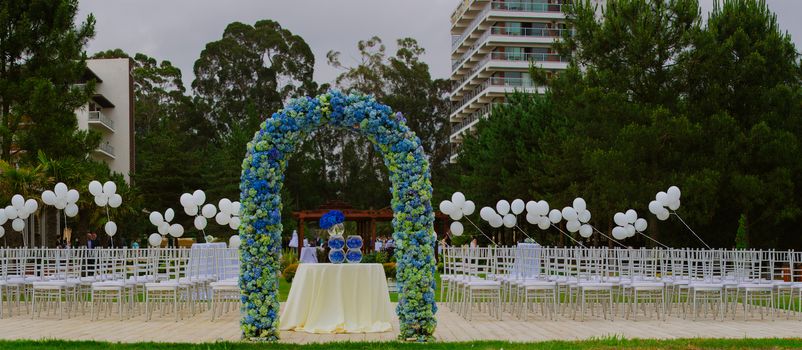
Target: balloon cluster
[
  {"x": 537, "y": 214},
  {"x": 194, "y": 206},
  {"x": 17, "y": 212},
  {"x": 456, "y": 208},
  {"x": 163, "y": 225},
  {"x": 665, "y": 201},
  {"x": 577, "y": 218},
  {"x": 106, "y": 195},
  {"x": 229, "y": 213},
  {"x": 63, "y": 199},
  {"x": 628, "y": 223},
  {"x": 504, "y": 214}
]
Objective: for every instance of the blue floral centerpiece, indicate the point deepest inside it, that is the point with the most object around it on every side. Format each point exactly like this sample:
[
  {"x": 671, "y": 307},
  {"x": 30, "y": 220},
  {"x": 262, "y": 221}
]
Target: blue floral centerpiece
[
  {"x": 354, "y": 244},
  {"x": 262, "y": 180},
  {"x": 333, "y": 222}
]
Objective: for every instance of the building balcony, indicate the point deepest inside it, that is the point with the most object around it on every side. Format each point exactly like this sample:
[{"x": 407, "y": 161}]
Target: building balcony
[
  {"x": 501, "y": 36},
  {"x": 491, "y": 88},
  {"x": 97, "y": 118},
  {"x": 106, "y": 149},
  {"x": 500, "y": 61},
  {"x": 499, "y": 11}
]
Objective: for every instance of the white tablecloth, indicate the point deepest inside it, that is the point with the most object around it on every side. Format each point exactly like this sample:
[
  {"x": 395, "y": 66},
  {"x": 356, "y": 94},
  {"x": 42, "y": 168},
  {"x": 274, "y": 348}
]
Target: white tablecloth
[
  {"x": 308, "y": 255},
  {"x": 338, "y": 298}
]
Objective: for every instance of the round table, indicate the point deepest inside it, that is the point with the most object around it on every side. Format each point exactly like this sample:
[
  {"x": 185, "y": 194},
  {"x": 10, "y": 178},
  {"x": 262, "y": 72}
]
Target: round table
[{"x": 338, "y": 298}]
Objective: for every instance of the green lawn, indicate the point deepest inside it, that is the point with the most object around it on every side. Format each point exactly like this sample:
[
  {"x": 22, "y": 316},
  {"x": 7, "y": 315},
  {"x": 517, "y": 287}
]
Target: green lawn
[{"x": 607, "y": 343}]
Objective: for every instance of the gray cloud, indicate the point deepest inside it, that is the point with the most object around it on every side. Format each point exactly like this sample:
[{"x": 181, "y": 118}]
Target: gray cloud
[{"x": 178, "y": 30}]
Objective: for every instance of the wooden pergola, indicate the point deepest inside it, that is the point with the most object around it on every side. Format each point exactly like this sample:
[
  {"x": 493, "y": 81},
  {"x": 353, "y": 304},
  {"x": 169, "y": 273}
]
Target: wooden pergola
[{"x": 366, "y": 220}]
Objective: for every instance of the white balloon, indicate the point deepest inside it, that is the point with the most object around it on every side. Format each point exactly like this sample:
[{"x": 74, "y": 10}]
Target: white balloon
[
  {"x": 115, "y": 201},
  {"x": 531, "y": 207},
  {"x": 584, "y": 216},
  {"x": 71, "y": 210},
  {"x": 95, "y": 188},
  {"x": 544, "y": 223},
  {"x": 640, "y": 224},
  {"x": 11, "y": 212},
  {"x": 186, "y": 200},
  {"x": 109, "y": 188},
  {"x": 619, "y": 232},
  {"x": 542, "y": 208},
  {"x": 456, "y": 215},
  {"x": 2, "y": 231},
  {"x": 200, "y": 222},
  {"x": 23, "y": 214},
  {"x": 503, "y": 207},
  {"x": 579, "y": 204},
  {"x": 164, "y": 228},
  {"x": 3, "y": 217},
  {"x": 517, "y": 206},
  {"x": 663, "y": 215},
  {"x": 674, "y": 205},
  {"x": 234, "y": 241},
  {"x": 156, "y": 218},
  {"x": 486, "y": 213},
  {"x": 61, "y": 189},
  {"x": 18, "y": 225},
  {"x": 458, "y": 199},
  {"x": 209, "y": 211},
  {"x": 176, "y": 230},
  {"x": 586, "y": 231},
  {"x": 573, "y": 225},
  {"x": 456, "y": 228},
  {"x": 191, "y": 210},
  {"x": 235, "y": 206},
  {"x": 224, "y": 205},
  {"x": 61, "y": 203},
  {"x": 631, "y": 215},
  {"x": 101, "y": 201},
  {"x": 532, "y": 218},
  {"x": 222, "y": 218},
  {"x": 468, "y": 208},
  {"x": 49, "y": 197},
  {"x": 630, "y": 230},
  {"x": 169, "y": 214},
  {"x": 662, "y": 198},
  {"x": 31, "y": 205},
  {"x": 73, "y": 196},
  {"x": 155, "y": 240},
  {"x": 198, "y": 197},
  {"x": 620, "y": 219},
  {"x": 18, "y": 202},
  {"x": 496, "y": 221},
  {"x": 555, "y": 216},
  {"x": 674, "y": 193},
  {"x": 446, "y": 207},
  {"x": 110, "y": 228},
  {"x": 569, "y": 214},
  {"x": 509, "y": 220},
  {"x": 234, "y": 223},
  {"x": 655, "y": 207}
]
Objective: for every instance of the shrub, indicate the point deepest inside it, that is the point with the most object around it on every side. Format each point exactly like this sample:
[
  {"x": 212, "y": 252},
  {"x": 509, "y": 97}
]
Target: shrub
[
  {"x": 288, "y": 257},
  {"x": 369, "y": 258},
  {"x": 382, "y": 257},
  {"x": 389, "y": 270},
  {"x": 440, "y": 267},
  {"x": 289, "y": 272}
]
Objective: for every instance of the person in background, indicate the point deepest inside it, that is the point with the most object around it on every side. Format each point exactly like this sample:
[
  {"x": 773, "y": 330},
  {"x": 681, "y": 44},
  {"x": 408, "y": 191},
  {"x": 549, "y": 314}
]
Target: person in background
[
  {"x": 474, "y": 243},
  {"x": 378, "y": 245},
  {"x": 91, "y": 240}
]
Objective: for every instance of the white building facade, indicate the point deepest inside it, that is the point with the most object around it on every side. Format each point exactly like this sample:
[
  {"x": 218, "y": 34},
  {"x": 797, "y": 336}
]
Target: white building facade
[
  {"x": 493, "y": 43},
  {"x": 111, "y": 113}
]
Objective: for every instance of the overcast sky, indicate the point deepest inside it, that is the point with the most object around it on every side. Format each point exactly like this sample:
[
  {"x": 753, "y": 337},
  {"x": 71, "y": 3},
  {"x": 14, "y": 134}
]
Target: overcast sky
[{"x": 177, "y": 30}]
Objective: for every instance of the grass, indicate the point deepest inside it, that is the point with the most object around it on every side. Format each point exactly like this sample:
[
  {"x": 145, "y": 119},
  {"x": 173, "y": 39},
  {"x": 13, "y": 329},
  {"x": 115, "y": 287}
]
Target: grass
[{"x": 603, "y": 343}]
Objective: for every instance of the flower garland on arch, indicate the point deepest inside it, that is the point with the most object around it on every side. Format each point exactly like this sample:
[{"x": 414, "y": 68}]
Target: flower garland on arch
[{"x": 413, "y": 217}]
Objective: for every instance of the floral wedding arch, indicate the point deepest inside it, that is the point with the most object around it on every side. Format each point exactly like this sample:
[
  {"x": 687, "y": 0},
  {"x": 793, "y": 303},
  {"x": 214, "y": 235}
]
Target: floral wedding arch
[{"x": 263, "y": 177}]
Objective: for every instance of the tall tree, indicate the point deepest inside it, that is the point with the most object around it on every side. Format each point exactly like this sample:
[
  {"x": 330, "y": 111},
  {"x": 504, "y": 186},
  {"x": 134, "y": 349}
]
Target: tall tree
[{"x": 42, "y": 60}]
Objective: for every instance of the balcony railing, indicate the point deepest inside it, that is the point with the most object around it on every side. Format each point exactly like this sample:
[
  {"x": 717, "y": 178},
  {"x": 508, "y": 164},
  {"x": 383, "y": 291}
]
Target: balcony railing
[
  {"x": 107, "y": 148},
  {"x": 494, "y": 81},
  {"x": 97, "y": 116},
  {"x": 527, "y": 6},
  {"x": 456, "y": 40},
  {"x": 456, "y": 127},
  {"x": 531, "y": 56},
  {"x": 533, "y": 32}
]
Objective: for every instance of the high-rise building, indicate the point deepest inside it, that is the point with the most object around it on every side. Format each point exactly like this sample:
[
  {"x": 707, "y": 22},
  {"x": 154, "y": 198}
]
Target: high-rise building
[
  {"x": 110, "y": 111},
  {"x": 493, "y": 43}
]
